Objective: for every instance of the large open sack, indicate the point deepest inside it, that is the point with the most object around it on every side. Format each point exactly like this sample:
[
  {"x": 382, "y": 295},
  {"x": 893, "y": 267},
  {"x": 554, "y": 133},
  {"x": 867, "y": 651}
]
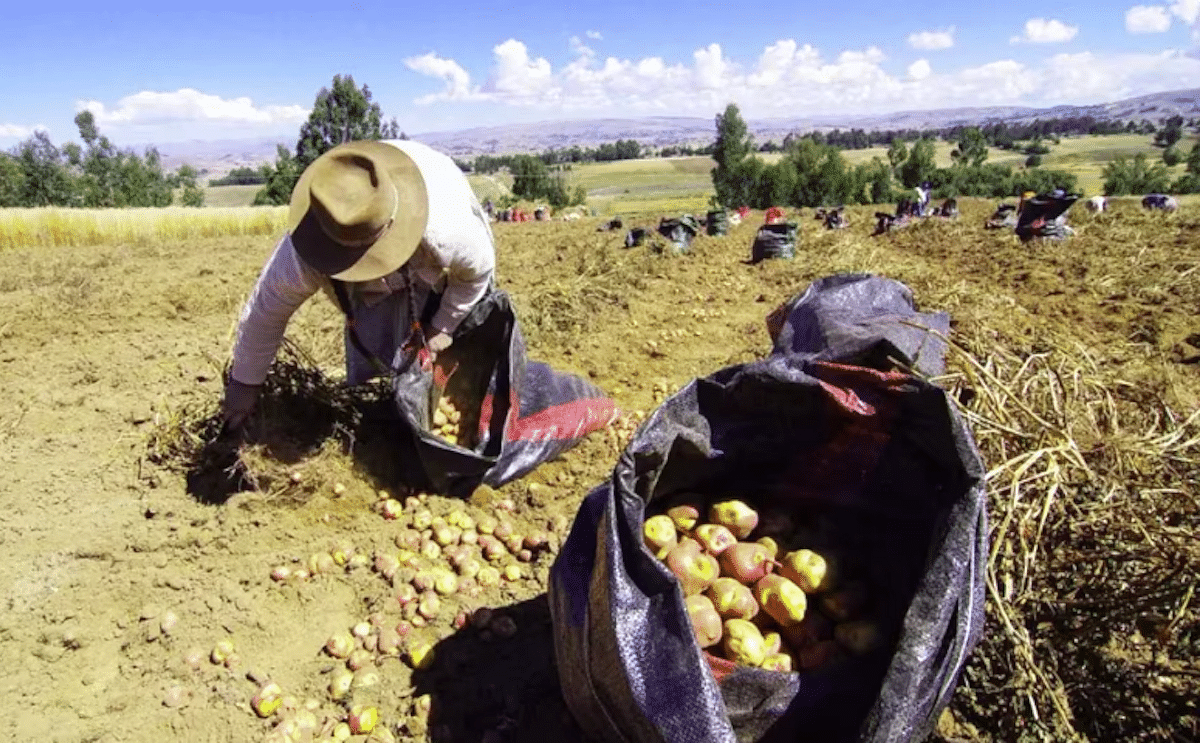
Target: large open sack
[
  {"x": 679, "y": 231},
  {"x": 821, "y": 427},
  {"x": 1044, "y": 216},
  {"x": 776, "y": 240},
  {"x": 516, "y": 413},
  {"x": 716, "y": 222}
]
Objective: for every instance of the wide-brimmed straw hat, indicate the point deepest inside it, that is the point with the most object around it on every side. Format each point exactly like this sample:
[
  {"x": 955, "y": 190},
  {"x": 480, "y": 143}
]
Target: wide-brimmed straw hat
[{"x": 358, "y": 211}]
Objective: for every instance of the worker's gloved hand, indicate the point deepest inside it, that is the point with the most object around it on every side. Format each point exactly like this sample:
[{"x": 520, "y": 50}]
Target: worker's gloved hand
[
  {"x": 439, "y": 342},
  {"x": 239, "y": 403}
]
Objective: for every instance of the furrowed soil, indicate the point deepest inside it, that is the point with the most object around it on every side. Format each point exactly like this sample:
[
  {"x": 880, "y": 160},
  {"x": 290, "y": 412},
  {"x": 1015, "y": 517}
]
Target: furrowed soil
[{"x": 126, "y": 563}]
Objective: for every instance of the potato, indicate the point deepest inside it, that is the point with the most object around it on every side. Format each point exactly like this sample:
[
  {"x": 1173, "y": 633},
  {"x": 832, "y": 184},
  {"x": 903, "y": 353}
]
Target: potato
[
  {"x": 716, "y": 538},
  {"x": 772, "y": 641},
  {"x": 779, "y": 662},
  {"x": 860, "y": 636},
  {"x": 659, "y": 534},
  {"x": 806, "y": 569},
  {"x": 732, "y": 599},
  {"x": 735, "y": 515},
  {"x": 771, "y": 545},
  {"x": 814, "y": 628},
  {"x": 817, "y": 655},
  {"x": 743, "y": 643},
  {"x": 695, "y": 569},
  {"x": 746, "y": 561},
  {"x": 847, "y": 602},
  {"x": 782, "y": 599},
  {"x": 684, "y": 516},
  {"x": 706, "y": 623}
]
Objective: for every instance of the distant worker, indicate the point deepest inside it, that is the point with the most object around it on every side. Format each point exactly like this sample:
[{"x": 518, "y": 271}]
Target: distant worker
[
  {"x": 922, "y": 201},
  {"x": 1160, "y": 201}
]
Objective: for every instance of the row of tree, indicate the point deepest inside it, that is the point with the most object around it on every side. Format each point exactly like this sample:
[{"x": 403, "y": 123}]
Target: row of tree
[
  {"x": 815, "y": 174},
  {"x": 96, "y": 175},
  {"x": 1124, "y": 176}
]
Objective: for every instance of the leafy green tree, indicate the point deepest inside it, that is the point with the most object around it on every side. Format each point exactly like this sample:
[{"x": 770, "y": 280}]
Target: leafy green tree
[
  {"x": 1123, "y": 177},
  {"x": 47, "y": 181},
  {"x": 343, "y": 113},
  {"x": 1033, "y": 161},
  {"x": 281, "y": 179},
  {"x": 12, "y": 181},
  {"x": 731, "y": 148},
  {"x": 530, "y": 176},
  {"x": 972, "y": 148},
  {"x": 877, "y": 185},
  {"x": 190, "y": 192},
  {"x": 919, "y": 166},
  {"x": 1171, "y": 132},
  {"x": 1193, "y": 160},
  {"x": 1171, "y": 156},
  {"x": 897, "y": 153}
]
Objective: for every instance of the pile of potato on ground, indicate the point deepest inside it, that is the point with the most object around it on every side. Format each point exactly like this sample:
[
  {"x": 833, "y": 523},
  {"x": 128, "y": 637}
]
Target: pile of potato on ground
[{"x": 755, "y": 594}]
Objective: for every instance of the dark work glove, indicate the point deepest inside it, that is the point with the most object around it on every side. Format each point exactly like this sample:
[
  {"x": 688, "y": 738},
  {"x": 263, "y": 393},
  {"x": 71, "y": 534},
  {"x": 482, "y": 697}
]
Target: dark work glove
[{"x": 239, "y": 403}]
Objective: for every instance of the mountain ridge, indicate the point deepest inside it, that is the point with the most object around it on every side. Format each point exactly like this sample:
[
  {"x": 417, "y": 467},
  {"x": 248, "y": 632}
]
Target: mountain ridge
[{"x": 216, "y": 157}]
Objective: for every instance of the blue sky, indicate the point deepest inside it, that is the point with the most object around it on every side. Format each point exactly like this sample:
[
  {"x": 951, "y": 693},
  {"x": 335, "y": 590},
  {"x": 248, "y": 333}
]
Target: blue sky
[{"x": 159, "y": 72}]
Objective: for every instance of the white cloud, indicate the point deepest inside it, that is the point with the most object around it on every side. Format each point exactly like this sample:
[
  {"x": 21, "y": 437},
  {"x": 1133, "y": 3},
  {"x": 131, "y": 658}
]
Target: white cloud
[
  {"x": 458, "y": 82},
  {"x": 1186, "y": 10},
  {"x": 788, "y": 78},
  {"x": 518, "y": 76},
  {"x": 919, "y": 70},
  {"x": 188, "y": 105},
  {"x": 16, "y": 131},
  {"x": 580, "y": 49},
  {"x": 1147, "y": 19},
  {"x": 932, "y": 39},
  {"x": 594, "y": 35},
  {"x": 1042, "y": 31}
]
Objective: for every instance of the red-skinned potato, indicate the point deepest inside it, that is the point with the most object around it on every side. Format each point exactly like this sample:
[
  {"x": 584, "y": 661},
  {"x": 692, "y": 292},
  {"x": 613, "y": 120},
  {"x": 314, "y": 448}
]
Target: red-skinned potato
[
  {"x": 814, "y": 628},
  {"x": 743, "y": 643},
  {"x": 706, "y": 623},
  {"x": 695, "y": 569},
  {"x": 807, "y": 569},
  {"x": 734, "y": 515},
  {"x": 684, "y": 516},
  {"x": 716, "y": 538},
  {"x": 817, "y": 655},
  {"x": 659, "y": 535},
  {"x": 782, "y": 599},
  {"x": 731, "y": 599},
  {"x": 779, "y": 662},
  {"x": 771, "y": 545},
  {"x": 772, "y": 642},
  {"x": 859, "y": 637},
  {"x": 748, "y": 562},
  {"x": 847, "y": 602}
]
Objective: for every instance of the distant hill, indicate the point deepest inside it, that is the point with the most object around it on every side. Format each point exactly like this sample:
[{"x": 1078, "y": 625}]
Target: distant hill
[{"x": 220, "y": 156}]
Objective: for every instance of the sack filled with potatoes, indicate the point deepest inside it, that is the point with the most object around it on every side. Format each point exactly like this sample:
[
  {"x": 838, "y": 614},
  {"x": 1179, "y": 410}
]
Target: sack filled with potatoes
[{"x": 760, "y": 589}]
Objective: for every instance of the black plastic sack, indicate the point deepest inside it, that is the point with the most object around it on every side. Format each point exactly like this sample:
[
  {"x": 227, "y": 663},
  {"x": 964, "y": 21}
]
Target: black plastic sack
[
  {"x": 774, "y": 241},
  {"x": 716, "y": 222},
  {"x": 880, "y": 450},
  {"x": 635, "y": 237},
  {"x": 1040, "y": 216},
  {"x": 521, "y": 413},
  {"x": 680, "y": 232}
]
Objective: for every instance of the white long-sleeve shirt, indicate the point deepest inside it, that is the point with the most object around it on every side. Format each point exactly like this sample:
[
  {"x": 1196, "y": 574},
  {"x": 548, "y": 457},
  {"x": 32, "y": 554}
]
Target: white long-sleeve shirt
[{"x": 457, "y": 247}]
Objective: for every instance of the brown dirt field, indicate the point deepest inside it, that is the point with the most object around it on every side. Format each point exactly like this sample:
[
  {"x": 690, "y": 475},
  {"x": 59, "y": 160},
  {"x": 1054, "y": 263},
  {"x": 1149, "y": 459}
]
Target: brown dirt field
[{"x": 110, "y": 355}]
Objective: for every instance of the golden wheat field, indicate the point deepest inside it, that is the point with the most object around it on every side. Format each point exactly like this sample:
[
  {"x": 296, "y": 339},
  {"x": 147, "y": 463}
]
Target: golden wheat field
[{"x": 139, "y": 607}]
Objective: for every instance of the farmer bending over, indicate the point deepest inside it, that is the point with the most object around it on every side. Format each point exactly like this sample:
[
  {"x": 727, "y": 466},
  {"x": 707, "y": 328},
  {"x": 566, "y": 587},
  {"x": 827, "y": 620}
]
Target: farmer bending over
[{"x": 392, "y": 232}]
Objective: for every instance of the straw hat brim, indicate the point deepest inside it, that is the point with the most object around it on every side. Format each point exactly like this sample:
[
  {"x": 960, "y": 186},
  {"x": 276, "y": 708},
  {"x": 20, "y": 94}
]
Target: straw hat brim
[{"x": 393, "y": 248}]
